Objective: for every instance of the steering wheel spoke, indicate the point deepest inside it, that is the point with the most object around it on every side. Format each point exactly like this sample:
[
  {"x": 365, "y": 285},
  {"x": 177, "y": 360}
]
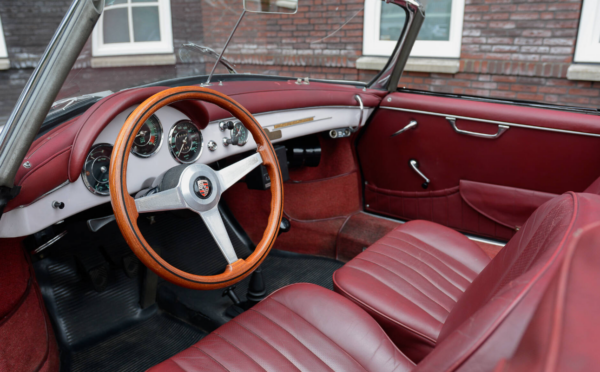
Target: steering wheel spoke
[
  {"x": 230, "y": 175},
  {"x": 167, "y": 200},
  {"x": 214, "y": 222}
]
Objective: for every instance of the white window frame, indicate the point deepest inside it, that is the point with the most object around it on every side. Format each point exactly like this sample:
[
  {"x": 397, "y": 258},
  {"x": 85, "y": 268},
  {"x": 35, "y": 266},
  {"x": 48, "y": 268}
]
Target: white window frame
[
  {"x": 587, "y": 48},
  {"x": 3, "y": 52},
  {"x": 99, "y": 49},
  {"x": 422, "y": 48}
]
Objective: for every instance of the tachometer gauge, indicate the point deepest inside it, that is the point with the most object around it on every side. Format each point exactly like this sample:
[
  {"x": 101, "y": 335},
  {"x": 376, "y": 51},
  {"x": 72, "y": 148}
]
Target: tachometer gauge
[
  {"x": 148, "y": 139},
  {"x": 95, "y": 169},
  {"x": 185, "y": 142}
]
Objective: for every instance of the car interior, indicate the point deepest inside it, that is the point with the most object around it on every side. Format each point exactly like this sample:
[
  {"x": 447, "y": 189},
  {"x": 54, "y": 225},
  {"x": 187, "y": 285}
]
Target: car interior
[{"x": 278, "y": 224}]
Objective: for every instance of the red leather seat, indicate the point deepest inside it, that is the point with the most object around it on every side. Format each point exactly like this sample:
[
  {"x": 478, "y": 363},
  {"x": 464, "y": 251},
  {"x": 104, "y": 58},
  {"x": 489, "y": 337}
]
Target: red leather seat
[
  {"x": 300, "y": 327},
  {"x": 410, "y": 280},
  {"x": 564, "y": 333},
  {"x": 304, "y": 327}
]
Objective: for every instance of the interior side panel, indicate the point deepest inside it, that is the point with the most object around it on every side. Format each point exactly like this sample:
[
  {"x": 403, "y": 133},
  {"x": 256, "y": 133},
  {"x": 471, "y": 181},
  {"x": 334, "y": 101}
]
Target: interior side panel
[{"x": 522, "y": 158}]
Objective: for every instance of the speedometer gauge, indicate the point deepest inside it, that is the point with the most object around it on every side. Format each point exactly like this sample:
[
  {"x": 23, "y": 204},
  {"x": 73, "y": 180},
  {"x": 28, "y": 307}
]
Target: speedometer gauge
[
  {"x": 95, "y": 169},
  {"x": 185, "y": 142},
  {"x": 148, "y": 139}
]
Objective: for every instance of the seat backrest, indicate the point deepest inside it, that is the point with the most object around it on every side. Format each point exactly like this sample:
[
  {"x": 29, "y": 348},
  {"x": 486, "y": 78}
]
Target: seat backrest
[
  {"x": 495, "y": 310},
  {"x": 564, "y": 333},
  {"x": 594, "y": 188}
]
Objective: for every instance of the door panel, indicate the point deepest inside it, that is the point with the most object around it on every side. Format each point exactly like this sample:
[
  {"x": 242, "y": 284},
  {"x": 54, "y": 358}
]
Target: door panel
[{"x": 536, "y": 153}]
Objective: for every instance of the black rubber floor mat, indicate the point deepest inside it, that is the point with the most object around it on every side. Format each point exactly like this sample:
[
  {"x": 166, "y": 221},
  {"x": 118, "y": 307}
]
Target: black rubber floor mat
[
  {"x": 137, "y": 348},
  {"x": 279, "y": 269}
]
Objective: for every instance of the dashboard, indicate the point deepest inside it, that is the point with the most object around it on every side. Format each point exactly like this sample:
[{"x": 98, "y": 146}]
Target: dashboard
[{"x": 169, "y": 138}]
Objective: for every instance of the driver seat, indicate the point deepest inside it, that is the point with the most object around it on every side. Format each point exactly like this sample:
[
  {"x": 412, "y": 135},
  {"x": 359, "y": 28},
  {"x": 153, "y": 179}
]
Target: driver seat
[{"x": 308, "y": 328}]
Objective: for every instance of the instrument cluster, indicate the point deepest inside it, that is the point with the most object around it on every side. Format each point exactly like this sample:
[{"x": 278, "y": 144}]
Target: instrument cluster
[{"x": 184, "y": 140}]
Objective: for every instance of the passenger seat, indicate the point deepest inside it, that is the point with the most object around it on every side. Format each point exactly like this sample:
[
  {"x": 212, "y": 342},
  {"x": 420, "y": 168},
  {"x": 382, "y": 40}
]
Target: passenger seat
[{"x": 422, "y": 281}]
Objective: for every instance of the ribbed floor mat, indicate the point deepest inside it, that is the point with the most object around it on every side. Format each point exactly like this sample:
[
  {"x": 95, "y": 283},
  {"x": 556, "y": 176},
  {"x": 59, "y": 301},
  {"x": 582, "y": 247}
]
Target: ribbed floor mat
[
  {"x": 138, "y": 348},
  {"x": 279, "y": 269}
]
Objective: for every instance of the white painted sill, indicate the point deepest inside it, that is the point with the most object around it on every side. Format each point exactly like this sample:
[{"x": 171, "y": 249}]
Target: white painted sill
[
  {"x": 4, "y": 64},
  {"x": 128, "y": 61},
  {"x": 434, "y": 65},
  {"x": 584, "y": 72}
]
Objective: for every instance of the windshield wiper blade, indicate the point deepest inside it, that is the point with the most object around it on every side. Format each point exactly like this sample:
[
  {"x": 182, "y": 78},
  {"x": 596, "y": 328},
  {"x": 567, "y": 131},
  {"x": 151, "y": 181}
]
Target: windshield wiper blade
[{"x": 204, "y": 49}]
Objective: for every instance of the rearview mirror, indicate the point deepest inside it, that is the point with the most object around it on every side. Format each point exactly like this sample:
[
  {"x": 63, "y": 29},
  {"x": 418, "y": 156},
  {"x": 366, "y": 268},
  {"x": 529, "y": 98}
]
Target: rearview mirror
[{"x": 271, "y": 6}]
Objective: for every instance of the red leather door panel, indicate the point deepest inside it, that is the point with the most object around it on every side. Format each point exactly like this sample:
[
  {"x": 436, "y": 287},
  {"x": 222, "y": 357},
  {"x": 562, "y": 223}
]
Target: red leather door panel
[{"x": 544, "y": 159}]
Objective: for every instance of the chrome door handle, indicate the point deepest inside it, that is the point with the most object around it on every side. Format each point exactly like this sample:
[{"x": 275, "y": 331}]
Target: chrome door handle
[
  {"x": 413, "y": 124},
  {"x": 501, "y": 130},
  {"x": 415, "y": 166}
]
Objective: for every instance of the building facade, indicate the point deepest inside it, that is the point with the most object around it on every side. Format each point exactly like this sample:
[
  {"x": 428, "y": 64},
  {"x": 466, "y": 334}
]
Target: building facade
[{"x": 542, "y": 51}]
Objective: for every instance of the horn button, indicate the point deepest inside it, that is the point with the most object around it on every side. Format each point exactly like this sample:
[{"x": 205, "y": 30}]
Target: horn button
[{"x": 200, "y": 187}]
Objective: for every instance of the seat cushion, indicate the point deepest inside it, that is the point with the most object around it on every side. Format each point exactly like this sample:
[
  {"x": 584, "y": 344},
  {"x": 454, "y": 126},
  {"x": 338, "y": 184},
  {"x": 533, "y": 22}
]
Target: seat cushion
[
  {"x": 300, "y": 327},
  {"x": 410, "y": 280}
]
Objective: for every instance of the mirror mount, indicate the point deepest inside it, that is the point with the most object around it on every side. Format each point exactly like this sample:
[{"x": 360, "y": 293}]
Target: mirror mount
[{"x": 224, "y": 47}]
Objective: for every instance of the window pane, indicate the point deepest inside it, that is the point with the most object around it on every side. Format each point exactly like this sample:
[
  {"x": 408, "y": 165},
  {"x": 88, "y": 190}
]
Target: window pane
[
  {"x": 436, "y": 25},
  {"x": 145, "y": 23},
  {"x": 115, "y": 2},
  {"x": 116, "y": 26},
  {"x": 437, "y": 21},
  {"x": 392, "y": 21}
]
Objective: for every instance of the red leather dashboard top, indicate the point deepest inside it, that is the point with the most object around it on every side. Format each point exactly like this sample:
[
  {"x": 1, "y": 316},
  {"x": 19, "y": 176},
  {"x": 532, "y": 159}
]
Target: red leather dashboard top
[{"x": 59, "y": 155}]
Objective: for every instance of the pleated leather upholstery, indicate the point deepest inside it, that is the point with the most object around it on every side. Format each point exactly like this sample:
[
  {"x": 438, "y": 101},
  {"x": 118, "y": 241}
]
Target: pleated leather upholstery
[
  {"x": 302, "y": 327},
  {"x": 411, "y": 279}
]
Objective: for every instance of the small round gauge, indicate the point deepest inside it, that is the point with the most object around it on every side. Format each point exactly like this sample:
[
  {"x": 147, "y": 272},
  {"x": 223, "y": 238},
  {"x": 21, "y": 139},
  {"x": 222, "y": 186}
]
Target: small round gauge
[
  {"x": 185, "y": 142},
  {"x": 95, "y": 169},
  {"x": 149, "y": 138},
  {"x": 239, "y": 134}
]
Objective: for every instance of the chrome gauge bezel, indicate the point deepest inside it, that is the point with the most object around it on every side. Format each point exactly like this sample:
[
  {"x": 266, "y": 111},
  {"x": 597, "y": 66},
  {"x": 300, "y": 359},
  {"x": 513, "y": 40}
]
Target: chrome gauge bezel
[
  {"x": 201, "y": 143},
  {"x": 157, "y": 148},
  {"x": 84, "y": 176}
]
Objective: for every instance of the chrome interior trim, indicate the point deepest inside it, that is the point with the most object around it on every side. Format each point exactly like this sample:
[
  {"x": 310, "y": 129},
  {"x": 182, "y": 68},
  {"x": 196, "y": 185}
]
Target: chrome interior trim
[
  {"x": 291, "y": 110},
  {"x": 501, "y": 130},
  {"x": 46, "y": 194},
  {"x": 415, "y": 166},
  {"x": 413, "y": 124},
  {"x": 49, "y": 243},
  {"x": 287, "y": 125},
  {"x": 493, "y": 122},
  {"x": 362, "y": 108}
]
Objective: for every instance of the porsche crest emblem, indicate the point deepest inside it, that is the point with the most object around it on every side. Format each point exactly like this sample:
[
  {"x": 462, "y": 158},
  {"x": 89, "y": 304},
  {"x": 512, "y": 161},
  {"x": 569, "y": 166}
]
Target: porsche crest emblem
[{"x": 202, "y": 187}]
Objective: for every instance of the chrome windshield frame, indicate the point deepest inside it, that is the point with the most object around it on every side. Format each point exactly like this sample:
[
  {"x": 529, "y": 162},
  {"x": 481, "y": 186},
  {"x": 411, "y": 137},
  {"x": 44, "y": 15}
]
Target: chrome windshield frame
[
  {"x": 44, "y": 84},
  {"x": 388, "y": 77}
]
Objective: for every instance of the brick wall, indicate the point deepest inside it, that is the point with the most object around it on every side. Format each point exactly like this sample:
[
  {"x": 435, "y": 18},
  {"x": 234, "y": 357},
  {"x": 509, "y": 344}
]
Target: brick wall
[{"x": 516, "y": 50}]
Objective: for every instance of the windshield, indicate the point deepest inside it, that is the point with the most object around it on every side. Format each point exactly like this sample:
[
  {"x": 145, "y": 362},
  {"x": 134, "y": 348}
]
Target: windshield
[{"x": 138, "y": 42}]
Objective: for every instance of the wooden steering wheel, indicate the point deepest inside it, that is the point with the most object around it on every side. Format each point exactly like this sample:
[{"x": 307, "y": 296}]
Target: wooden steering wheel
[{"x": 196, "y": 187}]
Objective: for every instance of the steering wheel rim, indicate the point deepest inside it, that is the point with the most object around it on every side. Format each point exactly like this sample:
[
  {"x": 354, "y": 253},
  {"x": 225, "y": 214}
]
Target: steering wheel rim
[{"x": 126, "y": 208}]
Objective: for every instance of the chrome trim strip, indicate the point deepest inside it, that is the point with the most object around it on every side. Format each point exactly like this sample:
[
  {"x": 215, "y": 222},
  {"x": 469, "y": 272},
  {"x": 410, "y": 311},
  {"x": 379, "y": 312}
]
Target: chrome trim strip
[
  {"x": 49, "y": 243},
  {"x": 291, "y": 110},
  {"x": 287, "y": 125},
  {"x": 494, "y": 122},
  {"x": 46, "y": 194},
  {"x": 485, "y": 240}
]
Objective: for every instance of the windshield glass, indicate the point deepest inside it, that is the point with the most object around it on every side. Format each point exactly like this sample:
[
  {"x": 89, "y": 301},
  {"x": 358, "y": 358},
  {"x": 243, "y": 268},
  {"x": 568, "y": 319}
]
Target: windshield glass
[{"x": 139, "y": 42}]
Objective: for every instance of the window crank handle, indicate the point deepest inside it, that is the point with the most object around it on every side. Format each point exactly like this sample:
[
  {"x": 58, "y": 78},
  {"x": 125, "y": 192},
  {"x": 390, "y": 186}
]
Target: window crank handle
[{"x": 415, "y": 166}]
